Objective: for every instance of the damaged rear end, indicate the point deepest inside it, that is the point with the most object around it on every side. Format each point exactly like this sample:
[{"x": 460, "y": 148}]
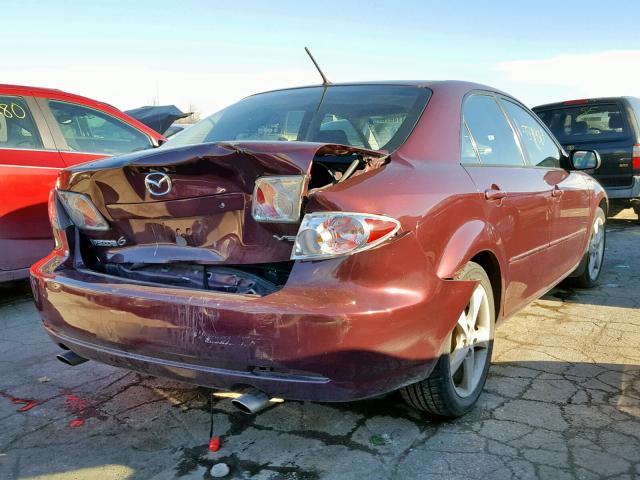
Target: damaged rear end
[
  {"x": 277, "y": 260},
  {"x": 220, "y": 217}
]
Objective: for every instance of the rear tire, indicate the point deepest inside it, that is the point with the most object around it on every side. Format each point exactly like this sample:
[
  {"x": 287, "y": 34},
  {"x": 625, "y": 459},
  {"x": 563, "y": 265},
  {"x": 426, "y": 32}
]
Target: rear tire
[
  {"x": 591, "y": 264},
  {"x": 454, "y": 385}
]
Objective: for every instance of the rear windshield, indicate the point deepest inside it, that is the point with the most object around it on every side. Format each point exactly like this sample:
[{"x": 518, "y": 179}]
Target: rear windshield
[
  {"x": 377, "y": 117},
  {"x": 586, "y": 123}
]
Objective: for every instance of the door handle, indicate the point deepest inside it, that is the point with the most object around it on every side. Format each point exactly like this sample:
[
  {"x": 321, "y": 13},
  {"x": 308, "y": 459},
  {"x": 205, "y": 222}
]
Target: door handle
[
  {"x": 556, "y": 192},
  {"x": 492, "y": 194}
]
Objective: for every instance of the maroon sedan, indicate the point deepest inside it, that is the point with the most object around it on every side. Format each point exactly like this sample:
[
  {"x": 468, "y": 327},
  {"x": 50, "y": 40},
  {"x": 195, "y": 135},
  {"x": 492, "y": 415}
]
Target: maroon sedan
[{"x": 327, "y": 243}]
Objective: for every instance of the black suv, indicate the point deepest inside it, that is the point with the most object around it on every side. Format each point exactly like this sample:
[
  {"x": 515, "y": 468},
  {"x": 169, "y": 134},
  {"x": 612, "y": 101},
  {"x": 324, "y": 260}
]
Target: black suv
[{"x": 610, "y": 126}]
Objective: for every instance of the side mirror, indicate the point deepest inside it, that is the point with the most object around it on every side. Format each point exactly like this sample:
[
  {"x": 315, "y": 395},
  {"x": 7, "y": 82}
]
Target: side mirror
[{"x": 584, "y": 160}]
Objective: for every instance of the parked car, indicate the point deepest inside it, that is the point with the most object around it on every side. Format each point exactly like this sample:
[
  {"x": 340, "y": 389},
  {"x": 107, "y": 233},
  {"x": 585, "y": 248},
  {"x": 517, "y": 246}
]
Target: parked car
[
  {"x": 610, "y": 126},
  {"x": 41, "y": 132},
  {"x": 176, "y": 128},
  {"x": 160, "y": 118},
  {"x": 325, "y": 243}
]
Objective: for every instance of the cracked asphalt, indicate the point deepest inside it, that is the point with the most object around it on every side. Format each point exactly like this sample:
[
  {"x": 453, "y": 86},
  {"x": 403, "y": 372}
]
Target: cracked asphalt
[{"x": 562, "y": 401}]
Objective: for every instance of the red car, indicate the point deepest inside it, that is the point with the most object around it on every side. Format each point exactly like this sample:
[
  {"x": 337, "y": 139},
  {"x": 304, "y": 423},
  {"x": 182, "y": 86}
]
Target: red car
[
  {"x": 326, "y": 243},
  {"x": 41, "y": 132}
]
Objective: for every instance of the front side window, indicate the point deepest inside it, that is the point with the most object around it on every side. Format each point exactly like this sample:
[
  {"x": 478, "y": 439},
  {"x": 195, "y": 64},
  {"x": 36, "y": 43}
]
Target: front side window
[
  {"x": 494, "y": 138},
  {"x": 377, "y": 117},
  {"x": 17, "y": 128},
  {"x": 586, "y": 123},
  {"x": 540, "y": 147},
  {"x": 88, "y": 130}
]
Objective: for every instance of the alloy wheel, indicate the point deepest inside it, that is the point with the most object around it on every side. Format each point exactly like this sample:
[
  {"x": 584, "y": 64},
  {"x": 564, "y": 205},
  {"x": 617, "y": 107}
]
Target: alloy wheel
[
  {"x": 596, "y": 248},
  {"x": 470, "y": 344}
]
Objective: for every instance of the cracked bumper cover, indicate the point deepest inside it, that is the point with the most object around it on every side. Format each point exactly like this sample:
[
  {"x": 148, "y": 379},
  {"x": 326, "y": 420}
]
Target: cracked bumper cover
[{"x": 340, "y": 330}]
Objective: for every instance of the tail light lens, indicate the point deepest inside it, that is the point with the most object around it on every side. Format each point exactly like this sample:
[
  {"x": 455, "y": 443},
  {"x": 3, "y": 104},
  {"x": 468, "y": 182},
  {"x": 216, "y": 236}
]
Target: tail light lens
[
  {"x": 636, "y": 157},
  {"x": 82, "y": 211},
  {"x": 330, "y": 234},
  {"x": 278, "y": 199}
]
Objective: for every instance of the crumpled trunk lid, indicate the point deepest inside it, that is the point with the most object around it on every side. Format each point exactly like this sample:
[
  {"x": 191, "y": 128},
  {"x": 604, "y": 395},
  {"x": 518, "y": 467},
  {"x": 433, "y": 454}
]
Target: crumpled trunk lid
[{"x": 205, "y": 218}]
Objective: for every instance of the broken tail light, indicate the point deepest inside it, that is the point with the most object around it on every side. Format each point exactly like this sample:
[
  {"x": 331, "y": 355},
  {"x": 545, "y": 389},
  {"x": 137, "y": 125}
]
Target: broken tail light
[
  {"x": 81, "y": 210},
  {"x": 278, "y": 199},
  {"x": 330, "y": 234}
]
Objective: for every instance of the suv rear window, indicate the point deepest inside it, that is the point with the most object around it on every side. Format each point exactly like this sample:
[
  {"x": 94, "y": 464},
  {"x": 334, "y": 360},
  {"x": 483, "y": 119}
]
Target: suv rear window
[
  {"x": 586, "y": 123},
  {"x": 377, "y": 117}
]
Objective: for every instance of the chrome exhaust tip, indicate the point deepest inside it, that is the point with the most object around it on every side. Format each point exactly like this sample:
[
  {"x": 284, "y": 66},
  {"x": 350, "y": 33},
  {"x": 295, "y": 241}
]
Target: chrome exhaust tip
[
  {"x": 251, "y": 401},
  {"x": 70, "y": 358}
]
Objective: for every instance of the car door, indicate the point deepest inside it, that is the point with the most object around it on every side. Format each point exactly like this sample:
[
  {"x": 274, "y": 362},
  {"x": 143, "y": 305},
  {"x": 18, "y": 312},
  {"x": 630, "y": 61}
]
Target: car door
[
  {"x": 84, "y": 133},
  {"x": 516, "y": 196},
  {"x": 569, "y": 204},
  {"x": 29, "y": 166}
]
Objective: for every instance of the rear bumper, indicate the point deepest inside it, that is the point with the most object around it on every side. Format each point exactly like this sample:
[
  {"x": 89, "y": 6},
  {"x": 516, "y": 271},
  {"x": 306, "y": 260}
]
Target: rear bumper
[
  {"x": 628, "y": 193},
  {"x": 340, "y": 330}
]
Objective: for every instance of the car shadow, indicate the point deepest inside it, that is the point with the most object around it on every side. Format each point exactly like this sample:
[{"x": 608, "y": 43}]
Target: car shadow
[{"x": 14, "y": 290}]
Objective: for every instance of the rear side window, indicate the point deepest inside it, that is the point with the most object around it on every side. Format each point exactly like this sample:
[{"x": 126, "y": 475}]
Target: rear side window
[
  {"x": 17, "y": 128},
  {"x": 540, "y": 148},
  {"x": 88, "y": 130},
  {"x": 494, "y": 138},
  {"x": 467, "y": 150},
  {"x": 586, "y": 123}
]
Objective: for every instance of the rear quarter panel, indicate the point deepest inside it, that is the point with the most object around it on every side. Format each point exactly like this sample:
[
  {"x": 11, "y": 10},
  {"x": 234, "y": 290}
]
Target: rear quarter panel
[{"x": 436, "y": 201}]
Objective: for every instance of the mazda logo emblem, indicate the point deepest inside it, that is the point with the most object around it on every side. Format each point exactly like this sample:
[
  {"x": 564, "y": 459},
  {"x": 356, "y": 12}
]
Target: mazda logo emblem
[{"x": 158, "y": 183}]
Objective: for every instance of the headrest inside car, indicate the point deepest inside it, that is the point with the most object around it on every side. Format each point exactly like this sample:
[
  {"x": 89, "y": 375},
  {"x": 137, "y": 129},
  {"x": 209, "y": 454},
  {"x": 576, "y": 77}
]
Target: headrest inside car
[
  {"x": 3, "y": 129},
  {"x": 332, "y": 136},
  {"x": 579, "y": 128},
  {"x": 615, "y": 121}
]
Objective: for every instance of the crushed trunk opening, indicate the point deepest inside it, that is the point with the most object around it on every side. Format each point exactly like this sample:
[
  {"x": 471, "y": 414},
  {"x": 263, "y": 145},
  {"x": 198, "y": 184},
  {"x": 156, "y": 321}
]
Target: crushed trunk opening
[{"x": 205, "y": 218}]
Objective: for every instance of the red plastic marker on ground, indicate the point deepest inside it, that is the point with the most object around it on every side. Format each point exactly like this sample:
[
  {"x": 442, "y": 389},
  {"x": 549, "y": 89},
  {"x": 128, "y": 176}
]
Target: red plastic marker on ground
[
  {"x": 78, "y": 422},
  {"x": 28, "y": 404},
  {"x": 214, "y": 444}
]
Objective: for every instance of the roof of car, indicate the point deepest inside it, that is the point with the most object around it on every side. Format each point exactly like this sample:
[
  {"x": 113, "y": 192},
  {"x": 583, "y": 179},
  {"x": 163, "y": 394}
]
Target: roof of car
[
  {"x": 459, "y": 85},
  {"x": 56, "y": 94},
  {"x": 35, "y": 91},
  {"x": 581, "y": 101}
]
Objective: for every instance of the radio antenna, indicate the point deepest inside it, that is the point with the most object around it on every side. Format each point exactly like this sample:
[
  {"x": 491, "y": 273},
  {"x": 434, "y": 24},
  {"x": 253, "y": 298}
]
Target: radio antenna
[{"x": 325, "y": 82}]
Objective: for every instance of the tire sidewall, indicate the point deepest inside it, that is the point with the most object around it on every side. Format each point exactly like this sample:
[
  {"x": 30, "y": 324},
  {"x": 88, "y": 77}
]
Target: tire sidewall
[{"x": 599, "y": 214}]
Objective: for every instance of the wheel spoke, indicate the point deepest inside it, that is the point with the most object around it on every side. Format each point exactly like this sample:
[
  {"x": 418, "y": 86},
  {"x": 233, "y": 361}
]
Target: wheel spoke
[
  {"x": 464, "y": 323},
  {"x": 456, "y": 358},
  {"x": 474, "y": 306},
  {"x": 468, "y": 370}
]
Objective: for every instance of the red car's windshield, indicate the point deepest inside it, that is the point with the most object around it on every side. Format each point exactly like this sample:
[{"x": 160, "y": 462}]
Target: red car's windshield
[{"x": 376, "y": 117}]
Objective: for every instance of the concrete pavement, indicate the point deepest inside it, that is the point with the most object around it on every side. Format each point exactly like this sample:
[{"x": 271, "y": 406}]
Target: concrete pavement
[{"x": 562, "y": 401}]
